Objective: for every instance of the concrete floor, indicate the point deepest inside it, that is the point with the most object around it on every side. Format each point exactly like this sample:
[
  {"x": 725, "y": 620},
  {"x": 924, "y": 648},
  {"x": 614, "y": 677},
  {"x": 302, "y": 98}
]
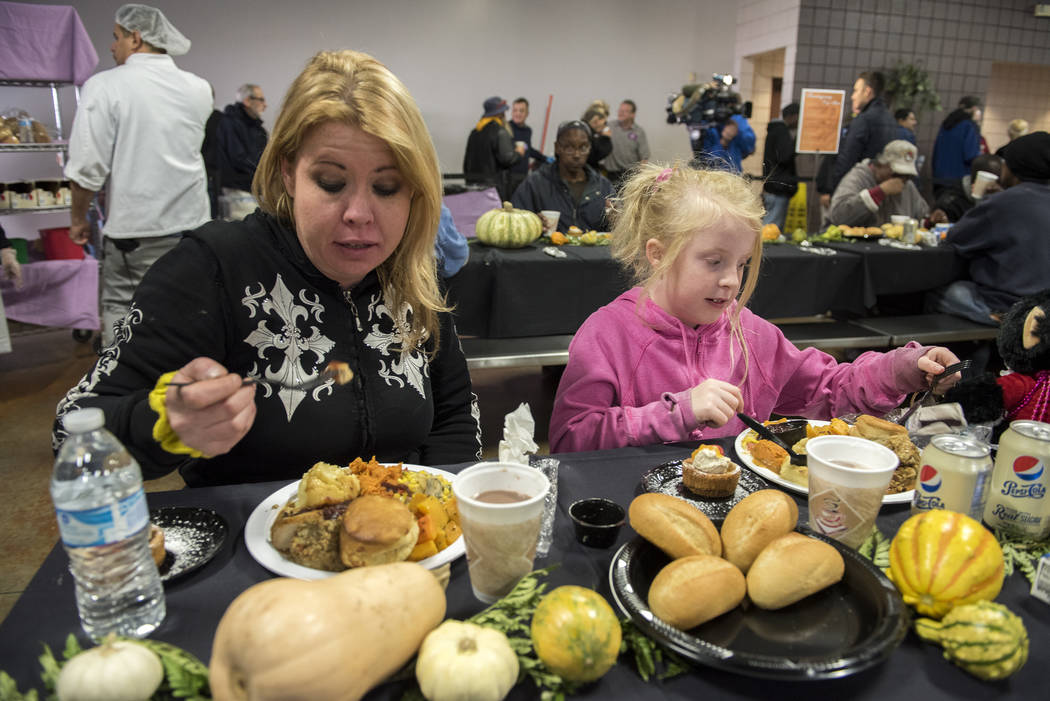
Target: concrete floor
[{"x": 44, "y": 364}]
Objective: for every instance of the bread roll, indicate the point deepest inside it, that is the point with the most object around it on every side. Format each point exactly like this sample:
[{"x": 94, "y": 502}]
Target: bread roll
[
  {"x": 872, "y": 427},
  {"x": 694, "y": 589},
  {"x": 755, "y": 521},
  {"x": 377, "y": 530},
  {"x": 673, "y": 525},
  {"x": 156, "y": 544},
  {"x": 791, "y": 568}
]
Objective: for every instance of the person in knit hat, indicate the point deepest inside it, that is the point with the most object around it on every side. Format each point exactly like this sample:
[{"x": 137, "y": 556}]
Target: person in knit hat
[
  {"x": 490, "y": 152},
  {"x": 1003, "y": 238}
]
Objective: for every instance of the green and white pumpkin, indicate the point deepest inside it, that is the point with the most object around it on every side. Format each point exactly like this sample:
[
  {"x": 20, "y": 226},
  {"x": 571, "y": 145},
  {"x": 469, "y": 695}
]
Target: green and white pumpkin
[
  {"x": 507, "y": 227},
  {"x": 984, "y": 638}
]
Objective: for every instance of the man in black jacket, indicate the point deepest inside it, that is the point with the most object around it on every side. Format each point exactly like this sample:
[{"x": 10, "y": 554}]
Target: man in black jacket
[
  {"x": 490, "y": 152},
  {"x": 871, "y": 129},
  {"x": 242, "y": 139},
  {"x": 778, "y": 166}
]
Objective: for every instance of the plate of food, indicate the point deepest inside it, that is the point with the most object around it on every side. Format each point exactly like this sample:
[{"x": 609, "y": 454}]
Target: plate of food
[
  {"x": 184, "y": 538},
  {"x": 771, "y": 462},
  {"x": 366, "y": 513},
  {"x": 849, "y": 626},
  {"x": 679, "y": 478}
]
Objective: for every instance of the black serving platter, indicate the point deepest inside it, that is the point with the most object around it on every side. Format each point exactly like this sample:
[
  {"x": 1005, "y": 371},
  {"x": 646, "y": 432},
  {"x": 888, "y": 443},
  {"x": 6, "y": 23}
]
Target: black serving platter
[
  {"x": 192, "y": 536},
  {"x": 667, "y": 479},
  {"x": 844, "y": 629}
]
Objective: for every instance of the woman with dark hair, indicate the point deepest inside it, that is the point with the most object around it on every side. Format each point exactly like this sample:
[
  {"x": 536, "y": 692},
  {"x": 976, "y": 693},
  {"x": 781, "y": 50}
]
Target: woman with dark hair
[
  {"x": 217, "y": 367},
  {"x": 958, "y": 143},
  {"x": 569, "y": 185},
  {"x": 601, "y": 140}
]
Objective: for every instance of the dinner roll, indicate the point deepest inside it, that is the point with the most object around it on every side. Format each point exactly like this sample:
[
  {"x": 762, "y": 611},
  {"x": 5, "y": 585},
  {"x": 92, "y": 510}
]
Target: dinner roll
[
  {"x": 377, "y": 530},
  {"x": 694, "y": 589},
  {"x": 756, "y": 520},
  {"x": 673, "y": 525},
  {"x": 791, "y": 568}
]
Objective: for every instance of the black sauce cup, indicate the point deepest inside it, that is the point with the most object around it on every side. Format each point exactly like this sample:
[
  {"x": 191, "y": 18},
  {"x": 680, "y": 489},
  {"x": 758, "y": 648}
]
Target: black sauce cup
[{"x": 597, "y": 521}]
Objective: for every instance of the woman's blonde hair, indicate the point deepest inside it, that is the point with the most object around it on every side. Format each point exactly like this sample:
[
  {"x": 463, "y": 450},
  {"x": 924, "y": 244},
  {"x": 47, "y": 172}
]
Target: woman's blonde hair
[
  {"x": 1018, "y": 127},
  {"x": 353, "y": 88},
  {"x": 670, "y": 203}
]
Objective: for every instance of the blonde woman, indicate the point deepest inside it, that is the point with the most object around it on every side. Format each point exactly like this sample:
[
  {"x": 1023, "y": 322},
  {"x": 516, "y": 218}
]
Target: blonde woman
[
  {"x": 337, "y": 265},
  {"x": 676, "y": 357}
]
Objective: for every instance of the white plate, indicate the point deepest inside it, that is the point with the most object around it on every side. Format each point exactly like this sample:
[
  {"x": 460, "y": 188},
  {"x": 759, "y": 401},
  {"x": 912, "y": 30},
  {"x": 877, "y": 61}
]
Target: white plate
[
  {"x": 257, "y": 534},
  {"x": 745, "y": 457}
]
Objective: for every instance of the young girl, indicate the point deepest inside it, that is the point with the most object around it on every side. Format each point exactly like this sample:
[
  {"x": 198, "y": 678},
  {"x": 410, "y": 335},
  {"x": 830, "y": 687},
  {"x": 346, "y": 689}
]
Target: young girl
[{"x": 677, "y": 356}]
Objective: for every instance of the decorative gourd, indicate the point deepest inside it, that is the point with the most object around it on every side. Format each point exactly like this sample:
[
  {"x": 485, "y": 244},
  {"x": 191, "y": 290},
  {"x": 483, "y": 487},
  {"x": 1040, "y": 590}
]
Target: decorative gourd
[
  {"x": 942, "y": 559},
  {"x": 332, "y": 638},
  {"x": 986, "y": 639},
  {"x": 466, "y": 662},
  {"x": 770, "y": 232},
  {"x": 507, "y": 227},
  {"x": 575, "y": 633},
  {"x": 116, "y": 670}
]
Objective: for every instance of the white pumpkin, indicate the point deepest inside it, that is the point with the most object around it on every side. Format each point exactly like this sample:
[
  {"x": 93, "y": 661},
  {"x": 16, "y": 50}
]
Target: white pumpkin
[
  {"x": 116, "y": 670},
  {"x": 461, "y": 661}
]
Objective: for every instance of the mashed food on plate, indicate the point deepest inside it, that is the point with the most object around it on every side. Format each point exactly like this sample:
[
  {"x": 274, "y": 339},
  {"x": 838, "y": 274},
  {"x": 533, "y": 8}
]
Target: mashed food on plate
[{"x": 321, "y": 525}]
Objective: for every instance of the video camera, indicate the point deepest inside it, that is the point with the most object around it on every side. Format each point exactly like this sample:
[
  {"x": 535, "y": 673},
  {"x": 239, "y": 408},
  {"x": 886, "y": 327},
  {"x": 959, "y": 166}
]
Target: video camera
[{"x": 705, "y": 105}]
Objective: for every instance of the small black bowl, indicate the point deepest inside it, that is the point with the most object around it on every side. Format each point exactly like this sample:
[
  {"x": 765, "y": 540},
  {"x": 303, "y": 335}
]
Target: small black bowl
[
  {"x": 597, "y": 521},
  {"x": 790, "y": 431}
]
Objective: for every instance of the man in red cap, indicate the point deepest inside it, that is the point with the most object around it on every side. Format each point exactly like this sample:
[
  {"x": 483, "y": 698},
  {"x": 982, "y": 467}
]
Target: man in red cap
[{"x": 490, "y": 151}]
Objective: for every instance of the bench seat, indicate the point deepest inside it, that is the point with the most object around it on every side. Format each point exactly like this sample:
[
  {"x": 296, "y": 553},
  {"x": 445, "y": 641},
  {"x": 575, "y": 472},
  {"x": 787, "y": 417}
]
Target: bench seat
[{"x": 928, "y": 328}]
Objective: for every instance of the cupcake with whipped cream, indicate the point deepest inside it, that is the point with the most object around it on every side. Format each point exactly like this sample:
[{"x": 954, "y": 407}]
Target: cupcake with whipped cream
[{"x": 709, "y": 473}]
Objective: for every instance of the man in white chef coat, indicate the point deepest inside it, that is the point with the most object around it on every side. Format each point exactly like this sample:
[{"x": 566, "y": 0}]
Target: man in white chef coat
[{"x": 138, "y": 133}]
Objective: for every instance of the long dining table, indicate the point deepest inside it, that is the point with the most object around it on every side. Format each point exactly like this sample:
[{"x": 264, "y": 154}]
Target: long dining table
[
  {"x": 508, "y": 293},
  {"x": 46, "y": 613}
]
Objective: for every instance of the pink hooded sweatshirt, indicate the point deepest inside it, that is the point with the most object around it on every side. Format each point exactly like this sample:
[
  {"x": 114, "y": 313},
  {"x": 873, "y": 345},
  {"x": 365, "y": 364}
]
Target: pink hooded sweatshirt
[{"x": 631, "y": 368}]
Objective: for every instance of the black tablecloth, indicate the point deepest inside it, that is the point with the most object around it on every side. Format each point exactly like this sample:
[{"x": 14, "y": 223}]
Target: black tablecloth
[
  {"x": 893, "y": 271},
  {"x": 46, "y": 612},
  {"x": 507, "y": 293}
]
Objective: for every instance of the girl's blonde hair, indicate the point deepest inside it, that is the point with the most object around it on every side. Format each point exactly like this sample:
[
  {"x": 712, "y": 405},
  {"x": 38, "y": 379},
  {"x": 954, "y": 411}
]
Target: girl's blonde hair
[
  {"x": 353, "y": 88},
  {"x": 670, "y": 203}
]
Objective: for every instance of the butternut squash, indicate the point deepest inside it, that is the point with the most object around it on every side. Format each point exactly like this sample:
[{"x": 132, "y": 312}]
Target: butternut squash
[{"x": 333, "y": 638}]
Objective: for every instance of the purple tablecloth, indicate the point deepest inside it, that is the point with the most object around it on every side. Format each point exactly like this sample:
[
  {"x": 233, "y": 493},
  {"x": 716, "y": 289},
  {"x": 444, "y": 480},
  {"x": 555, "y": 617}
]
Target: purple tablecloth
[
  {"x": 44, "y": 42},
  {"x": 55, "y": 293}
]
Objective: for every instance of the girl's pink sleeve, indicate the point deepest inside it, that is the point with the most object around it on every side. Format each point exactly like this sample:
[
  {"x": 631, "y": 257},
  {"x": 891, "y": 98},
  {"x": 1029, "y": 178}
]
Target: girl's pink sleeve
[
  {"x": 587, "y": 410},
  {"x": 819, "y": 386}
]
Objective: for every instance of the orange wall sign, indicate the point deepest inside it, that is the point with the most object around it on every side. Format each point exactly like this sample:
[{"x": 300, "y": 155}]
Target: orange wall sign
[{"x": 820, "y": 121}]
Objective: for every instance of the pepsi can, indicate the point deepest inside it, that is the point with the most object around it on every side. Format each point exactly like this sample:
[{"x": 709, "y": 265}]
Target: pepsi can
[
  {"x": 1018, "y": 502},
  {"x": 954, "y": 475}
]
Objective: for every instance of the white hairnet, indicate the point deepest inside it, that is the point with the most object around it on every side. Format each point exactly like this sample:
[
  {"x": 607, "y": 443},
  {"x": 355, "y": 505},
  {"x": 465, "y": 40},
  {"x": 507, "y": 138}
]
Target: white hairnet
[{"x": 154, "y": 28}]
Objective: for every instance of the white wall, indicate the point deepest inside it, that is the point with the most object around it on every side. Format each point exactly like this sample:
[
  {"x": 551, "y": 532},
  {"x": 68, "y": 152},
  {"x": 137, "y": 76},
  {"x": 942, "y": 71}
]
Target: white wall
[{"x": 453, "y": 54}]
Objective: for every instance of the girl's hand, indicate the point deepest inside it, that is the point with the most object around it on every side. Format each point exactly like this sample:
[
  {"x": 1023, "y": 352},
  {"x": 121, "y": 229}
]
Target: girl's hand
[
  {"x": 932, "y": 365},
  {"x": 213, "y": 413},
  {"x": 715, "y": 402}
]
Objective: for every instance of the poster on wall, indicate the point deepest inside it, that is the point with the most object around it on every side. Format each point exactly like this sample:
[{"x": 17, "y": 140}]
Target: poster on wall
[{"x": 820, "y": 121}]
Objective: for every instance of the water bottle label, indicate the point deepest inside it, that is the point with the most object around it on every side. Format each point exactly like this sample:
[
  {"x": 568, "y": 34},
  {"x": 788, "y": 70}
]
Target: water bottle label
[{"x": 104, "y": 525}]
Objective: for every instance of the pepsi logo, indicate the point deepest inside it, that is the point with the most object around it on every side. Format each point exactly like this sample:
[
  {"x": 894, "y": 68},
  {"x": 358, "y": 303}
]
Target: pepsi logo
[
  {"x": 1028, "y": 468},
  {"x": 929, "y": 478}
]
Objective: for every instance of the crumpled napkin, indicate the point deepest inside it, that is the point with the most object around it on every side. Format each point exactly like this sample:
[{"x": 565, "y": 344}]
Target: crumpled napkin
[
  {"x": 939, "y": 418},
  {"x": 518, "y": 430}
]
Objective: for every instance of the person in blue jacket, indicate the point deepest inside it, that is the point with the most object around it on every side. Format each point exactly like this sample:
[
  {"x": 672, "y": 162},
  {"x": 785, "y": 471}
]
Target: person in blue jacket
[
  {"x": 958, "y": 143},
  {"x": 726, "y": 145}
]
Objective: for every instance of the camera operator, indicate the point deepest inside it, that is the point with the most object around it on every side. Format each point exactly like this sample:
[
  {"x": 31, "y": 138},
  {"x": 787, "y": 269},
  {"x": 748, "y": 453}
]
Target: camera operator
[{"x": 719, "y": 132}]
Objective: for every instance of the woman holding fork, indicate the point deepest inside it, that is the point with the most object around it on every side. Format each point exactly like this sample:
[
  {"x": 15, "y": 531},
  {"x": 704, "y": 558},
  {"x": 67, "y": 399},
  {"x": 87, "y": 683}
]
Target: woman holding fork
[{"x": 336, "y": 265}]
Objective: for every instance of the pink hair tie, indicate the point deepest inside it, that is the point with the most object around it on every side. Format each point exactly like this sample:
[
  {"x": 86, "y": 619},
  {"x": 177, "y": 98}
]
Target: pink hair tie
[{"x": 664, "y": 175}]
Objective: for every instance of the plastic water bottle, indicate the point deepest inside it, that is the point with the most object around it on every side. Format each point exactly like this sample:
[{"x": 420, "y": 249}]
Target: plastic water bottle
[{"x": 104, "y": 524}]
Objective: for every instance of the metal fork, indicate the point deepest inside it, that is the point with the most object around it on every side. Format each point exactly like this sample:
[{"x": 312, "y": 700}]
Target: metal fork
[
  {"x": 921, "y": 397},
  {"x": 334, "y": 371}
]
